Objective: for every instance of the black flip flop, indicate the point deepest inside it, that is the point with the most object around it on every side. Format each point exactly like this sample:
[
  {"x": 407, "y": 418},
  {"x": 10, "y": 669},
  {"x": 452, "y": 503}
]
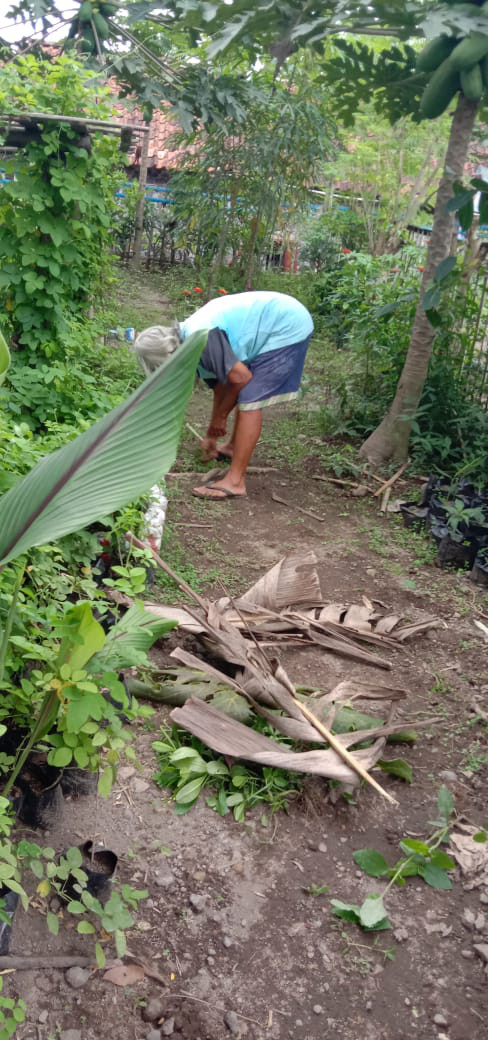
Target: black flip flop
[{"x": 224, "y": 493}]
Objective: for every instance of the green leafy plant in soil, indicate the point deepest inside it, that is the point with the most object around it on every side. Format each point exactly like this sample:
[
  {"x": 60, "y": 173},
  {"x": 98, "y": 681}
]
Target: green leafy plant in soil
[
  {"x": 424, "y": 859},
  {"x": 12, "y": 1014},
  {"x": 56, "y": 207},
  {"x": 187, "y": 767}
]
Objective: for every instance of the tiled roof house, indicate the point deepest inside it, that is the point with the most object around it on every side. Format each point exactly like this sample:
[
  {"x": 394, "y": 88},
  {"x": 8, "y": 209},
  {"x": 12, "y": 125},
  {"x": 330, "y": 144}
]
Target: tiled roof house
[{"x": 165, "y": 155}]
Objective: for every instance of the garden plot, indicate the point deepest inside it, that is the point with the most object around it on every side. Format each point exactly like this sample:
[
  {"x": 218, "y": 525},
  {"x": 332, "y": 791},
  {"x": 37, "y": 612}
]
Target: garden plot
[{"x": 239, "y": 920}]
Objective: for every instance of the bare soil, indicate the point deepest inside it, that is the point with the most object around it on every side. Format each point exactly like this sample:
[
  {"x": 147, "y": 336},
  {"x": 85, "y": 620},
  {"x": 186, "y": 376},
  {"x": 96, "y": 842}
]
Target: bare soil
[{"x": 259, "y": 944}]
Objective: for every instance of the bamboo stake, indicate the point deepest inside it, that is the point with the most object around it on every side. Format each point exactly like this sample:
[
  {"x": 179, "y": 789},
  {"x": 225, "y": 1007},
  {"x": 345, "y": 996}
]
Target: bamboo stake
[
  {"x": 385, "y": 500},
  {"x": 194, "y": 432},
  {"x": 343, "y": 752},
  {"x": 389, "y": 483}
]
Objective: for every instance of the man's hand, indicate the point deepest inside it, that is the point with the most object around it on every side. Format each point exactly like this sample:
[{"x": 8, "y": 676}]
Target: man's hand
[
  {"x": 217, "y": 428},
  {"x": 208, "y": 448}
]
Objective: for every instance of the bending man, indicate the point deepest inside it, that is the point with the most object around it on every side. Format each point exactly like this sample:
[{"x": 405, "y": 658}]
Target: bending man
[{"x": 254, "y": 357}]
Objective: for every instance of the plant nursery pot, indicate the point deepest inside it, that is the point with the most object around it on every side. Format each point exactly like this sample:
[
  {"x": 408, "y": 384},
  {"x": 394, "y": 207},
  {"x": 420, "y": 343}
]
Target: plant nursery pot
[
  {"x": 429, "y": 489},
  {"x": 42, "y": 797},
  {"x": 99, "y": 864},
  {"x": 414, "y": 516},
  {"x": 76, "y": 782},
  {"x": 437, "y": 530},
  {"x": 479, "y": 573},
  {"x": 467, "y": 489},
  {"x": 10, "y": 902},
  {"x": 437, "y": 510},
  {"x": 455, "y": 552},
  {"x": 11, "y": 740}
]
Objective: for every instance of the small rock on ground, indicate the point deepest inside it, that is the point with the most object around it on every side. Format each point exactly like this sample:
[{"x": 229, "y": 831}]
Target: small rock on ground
[
  {"x": 482, "y": 950},
  {"x": 440, "y": 1020},
  {"x": 154, "y": 1009},
  {"x": 153, "y": 1034},
  {"x": 168, "y": 1027},
  {"x": 197, "y": 903},
  {"x": 77, "y": 977},
  {"x": 70, "y": 1034},
  {"x": 164, "y": 879},
  {"x": 232, "y": 1022},
  {"x": 317, "y": 1009}
]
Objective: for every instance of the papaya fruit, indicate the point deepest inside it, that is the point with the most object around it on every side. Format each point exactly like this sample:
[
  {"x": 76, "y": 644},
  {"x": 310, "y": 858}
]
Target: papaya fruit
[
  {"x": 108, "y": 9},
  {"x": 85, "y": 12},
  {"x": 469, "y": 51},
  {"x": 101, "y": 26},
  {"x": 472, "y": 82},
  {"x": 435, "y": 52},
  {"x": 88, "y": 45},
  {"x": 439, "y": 91}
]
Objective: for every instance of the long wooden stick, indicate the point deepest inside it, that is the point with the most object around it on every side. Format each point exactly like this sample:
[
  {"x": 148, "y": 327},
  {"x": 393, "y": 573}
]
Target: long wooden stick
[
  {"x": 165, "y": 567},
  {"x": 42, "y": 961},
  {"x": 343, "y": 753},
  {"x": 389, "y": 483}
]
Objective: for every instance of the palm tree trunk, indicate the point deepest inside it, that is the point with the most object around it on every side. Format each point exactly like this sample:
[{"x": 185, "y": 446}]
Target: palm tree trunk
[{"x": 390, "y": 439}]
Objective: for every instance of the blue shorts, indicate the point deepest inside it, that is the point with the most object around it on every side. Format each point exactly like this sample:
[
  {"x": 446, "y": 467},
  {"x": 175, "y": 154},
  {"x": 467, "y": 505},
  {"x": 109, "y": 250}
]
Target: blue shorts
[{"x": 276, "y": 377}]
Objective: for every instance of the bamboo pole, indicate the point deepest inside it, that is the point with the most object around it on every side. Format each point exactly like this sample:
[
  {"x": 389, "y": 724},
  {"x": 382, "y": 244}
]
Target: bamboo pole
[
  {"x": 50, "y": 117},
  {"x": 343, "y": 753},
  {"x": 137, "y": 255}
]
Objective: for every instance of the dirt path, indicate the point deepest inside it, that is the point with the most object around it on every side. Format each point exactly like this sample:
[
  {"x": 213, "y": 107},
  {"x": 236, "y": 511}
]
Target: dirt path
[{"x": 254, "y": 942}]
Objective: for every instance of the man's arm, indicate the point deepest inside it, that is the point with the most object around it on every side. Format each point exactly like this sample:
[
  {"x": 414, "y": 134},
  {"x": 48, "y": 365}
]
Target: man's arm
[{"x": 224, "y": 399}]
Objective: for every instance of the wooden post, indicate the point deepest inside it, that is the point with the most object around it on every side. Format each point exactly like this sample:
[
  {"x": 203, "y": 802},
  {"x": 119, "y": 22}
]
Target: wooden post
[{"x": 137, "y": 255}]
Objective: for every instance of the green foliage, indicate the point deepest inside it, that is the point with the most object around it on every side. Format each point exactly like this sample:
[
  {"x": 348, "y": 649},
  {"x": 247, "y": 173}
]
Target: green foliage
[
  {"x": 75, "y": 703},
  {"x": 187, "y": 766},
  {"x": 71, "y": 390},
  {"x": 12, "y": 1014},
  {"x": 424, "y": 859},
  {"x": 67, "y": 878},
  {"x": 367, "y": 304},
  {"x": 55, "y": 212},
  {"x": 121, "y": 456},
  {"x": 391, "y": 171},
  {"x": 260, "y": 187},
  {"x": 4, "y": 358}
]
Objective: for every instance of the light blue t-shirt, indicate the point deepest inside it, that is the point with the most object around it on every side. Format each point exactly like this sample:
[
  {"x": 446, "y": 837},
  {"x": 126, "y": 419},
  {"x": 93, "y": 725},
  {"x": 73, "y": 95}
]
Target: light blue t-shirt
[{"x": 254, "y": 322}]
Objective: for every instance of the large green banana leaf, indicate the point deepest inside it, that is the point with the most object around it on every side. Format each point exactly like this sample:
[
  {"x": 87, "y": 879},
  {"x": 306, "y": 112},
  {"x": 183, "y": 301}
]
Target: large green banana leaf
[
  {"x": 4, "y": 358},
  {"x": 113, "y": 462}
]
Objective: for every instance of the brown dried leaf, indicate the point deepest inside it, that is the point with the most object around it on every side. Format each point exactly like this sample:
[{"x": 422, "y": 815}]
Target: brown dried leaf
[
  {"x": 471, "y": 855},
  {"x": 292, "y": 581},
  {"x": 124, "y": 974},
  {"x": 385, "y": 625},
  {"x": 228, "y": 737},
  {"x": 358, "y": 617}
]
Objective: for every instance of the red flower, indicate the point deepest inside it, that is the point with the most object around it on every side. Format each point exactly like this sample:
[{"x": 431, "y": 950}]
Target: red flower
[
  {"x": 395, "y": 270},
  {"x": 197, "y": 289},
  {"x": 421, "y": 267},
  {"x": 186, "y": 292},
  {"x": 346, "y": 250},
  {"x": 224, "y": 292}
]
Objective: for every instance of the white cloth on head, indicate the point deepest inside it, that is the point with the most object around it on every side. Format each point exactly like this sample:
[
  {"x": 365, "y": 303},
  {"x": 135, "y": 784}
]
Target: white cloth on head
[{"x": 155, "y": 344}]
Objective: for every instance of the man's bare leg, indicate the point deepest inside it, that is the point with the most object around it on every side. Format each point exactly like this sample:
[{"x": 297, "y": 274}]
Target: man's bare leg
[
  {"x": 246, "y": 436},
  {"x": 228, "y": 447}
]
